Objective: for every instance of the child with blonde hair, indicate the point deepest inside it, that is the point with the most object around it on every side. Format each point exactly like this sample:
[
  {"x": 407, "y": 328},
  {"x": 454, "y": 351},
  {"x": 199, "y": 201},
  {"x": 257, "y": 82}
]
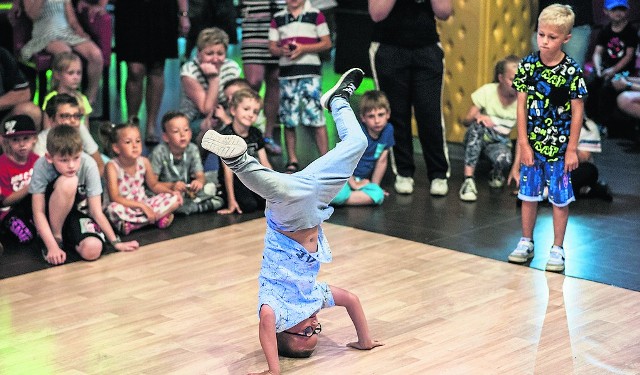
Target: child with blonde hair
[
  {"x": 128, "y": 175},
  {"x": 550, "y": 108},
  {"x": 66, "y": 79},
  {"x": 244, "y": 106}
]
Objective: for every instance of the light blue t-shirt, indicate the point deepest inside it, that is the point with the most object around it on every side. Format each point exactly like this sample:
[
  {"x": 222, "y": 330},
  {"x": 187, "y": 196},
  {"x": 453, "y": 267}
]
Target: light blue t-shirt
[{"x": 287, "y": 281}]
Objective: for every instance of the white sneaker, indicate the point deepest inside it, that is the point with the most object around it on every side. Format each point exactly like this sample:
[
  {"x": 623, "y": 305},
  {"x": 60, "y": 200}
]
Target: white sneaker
[
  {"x": 523, "y": 252},
  {"x": 468, "y": 191},
  {"x": 439, "y": 187},
  {"x": 404, "y": 185},
  {"x": 496, "y": 182},
  {"x": 225, "y": 146},
  {"x": 556, "y": 259}
]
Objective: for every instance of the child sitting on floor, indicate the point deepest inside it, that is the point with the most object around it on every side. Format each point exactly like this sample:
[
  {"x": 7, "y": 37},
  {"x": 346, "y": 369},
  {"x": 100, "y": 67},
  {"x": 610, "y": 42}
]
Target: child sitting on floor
[
  {"x": 363, "y": 188},
  {"x": 16, "y": 168},
  {"x": 245, "y": 107},
  {"x": 128, "y": 206},
  {"x": 66, "y": 198},
  {"x": 178, "y": 165}
]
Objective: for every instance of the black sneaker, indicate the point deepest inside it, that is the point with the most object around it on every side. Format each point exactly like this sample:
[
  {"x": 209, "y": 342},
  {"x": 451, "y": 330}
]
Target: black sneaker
[{"x": 346, "y": 86}]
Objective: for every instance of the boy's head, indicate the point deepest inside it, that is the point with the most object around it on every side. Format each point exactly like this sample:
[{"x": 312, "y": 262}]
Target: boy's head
[
  {"x": 18, "y": 136},
  {"x": 64, "y": 149},
  {"x": 245, "y": 107},
  {"x": 616, "y": 10},
  {"x": 558, "y": 16},
  {"x": 375, "y": 110},
  {"x": 300, "y": 340},
  {"x": 230, "y": 87},
  {"x": 613, "y": 4},
  {"x": 64, "y": 109},
  {"x": 295, "y": 4},
  {"x": 212, "y": 46},
  {"x": 176, "y": 131}
]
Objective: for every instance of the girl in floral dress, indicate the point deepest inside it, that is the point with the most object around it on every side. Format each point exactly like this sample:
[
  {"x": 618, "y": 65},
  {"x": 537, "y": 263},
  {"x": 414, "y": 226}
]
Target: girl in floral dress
[{"x": 129, "y": 176}]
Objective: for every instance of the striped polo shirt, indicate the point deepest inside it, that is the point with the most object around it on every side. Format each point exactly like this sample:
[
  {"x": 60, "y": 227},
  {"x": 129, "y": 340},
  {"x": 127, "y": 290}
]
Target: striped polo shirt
[{"x": 307, "y": 28}]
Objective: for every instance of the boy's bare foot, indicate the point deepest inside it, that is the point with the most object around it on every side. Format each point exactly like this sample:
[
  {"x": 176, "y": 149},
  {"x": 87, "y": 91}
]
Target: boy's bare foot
[{"x": 225, "y": 146}]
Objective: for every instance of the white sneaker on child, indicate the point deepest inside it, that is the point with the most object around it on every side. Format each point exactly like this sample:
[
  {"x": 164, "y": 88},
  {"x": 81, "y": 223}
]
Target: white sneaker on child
[
  {"x": 523, "y": 252},
  {"x": 468, "y": 190},
  {"x": 225, "y": 146},
  {"x": 556, "y": 259}
]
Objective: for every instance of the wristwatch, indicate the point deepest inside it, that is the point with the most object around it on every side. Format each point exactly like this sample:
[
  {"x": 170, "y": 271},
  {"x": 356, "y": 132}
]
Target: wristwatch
[{"x": 183, "y": 14}]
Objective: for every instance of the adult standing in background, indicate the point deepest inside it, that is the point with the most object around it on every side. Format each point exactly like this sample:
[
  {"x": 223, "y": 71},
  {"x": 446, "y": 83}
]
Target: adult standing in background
[
  {"x": 146, "y": 35},
  {"x": 408, "y": 64},
  {"x": 258, "y": 63},
  {"x": 15, "y": 94},
  {"x": 578, "y": 45}
]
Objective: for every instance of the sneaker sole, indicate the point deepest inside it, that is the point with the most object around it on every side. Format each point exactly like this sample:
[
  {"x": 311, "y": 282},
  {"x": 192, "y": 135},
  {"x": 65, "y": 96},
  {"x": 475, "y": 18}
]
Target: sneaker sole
[
  {"x": 554, "y": 267},
  {"x": 225, "y": 146},
  {"x": 519, "y": 259},
  {"x": 324, "y": 99}
]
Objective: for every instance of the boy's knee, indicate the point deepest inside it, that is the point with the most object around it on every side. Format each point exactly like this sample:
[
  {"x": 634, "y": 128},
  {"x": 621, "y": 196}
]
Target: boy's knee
[
  {"x": 342, "y": 196},
  {"x": 66, "y": 185},
  {"x": 90, "y": 248}
]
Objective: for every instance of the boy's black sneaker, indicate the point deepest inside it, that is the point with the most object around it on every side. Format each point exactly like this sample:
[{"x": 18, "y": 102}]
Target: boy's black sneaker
[{"x": 346, "y": 86}]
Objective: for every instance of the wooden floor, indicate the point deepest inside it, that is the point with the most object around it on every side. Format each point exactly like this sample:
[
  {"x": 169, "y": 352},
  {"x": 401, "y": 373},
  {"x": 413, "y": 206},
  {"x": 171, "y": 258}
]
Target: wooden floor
[{"x": 188, "y": 306}]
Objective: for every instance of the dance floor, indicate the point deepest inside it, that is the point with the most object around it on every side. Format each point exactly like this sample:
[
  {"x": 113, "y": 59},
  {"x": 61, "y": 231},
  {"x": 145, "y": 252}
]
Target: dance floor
[{"x": 188, "y": 306}]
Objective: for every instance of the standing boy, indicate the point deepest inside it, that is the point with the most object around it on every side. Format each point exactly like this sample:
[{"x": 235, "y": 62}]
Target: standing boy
[
  {"x": 295, "y": 245},
  {"x": 549, "y": 115},
  {"x": 297, "y": 34},
  {"x": 16, "y": 167},
  {"x": 67, "y": 201},
  {"x": 363, "y": 188}
]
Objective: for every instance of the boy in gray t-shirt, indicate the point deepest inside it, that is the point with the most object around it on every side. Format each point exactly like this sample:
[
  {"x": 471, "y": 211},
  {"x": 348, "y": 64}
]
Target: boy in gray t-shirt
[{"x": 66, "y": 198}]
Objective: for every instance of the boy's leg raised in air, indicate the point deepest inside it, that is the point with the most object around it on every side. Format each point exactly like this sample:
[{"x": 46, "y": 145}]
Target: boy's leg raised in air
[{"x": 335, "y": 167}]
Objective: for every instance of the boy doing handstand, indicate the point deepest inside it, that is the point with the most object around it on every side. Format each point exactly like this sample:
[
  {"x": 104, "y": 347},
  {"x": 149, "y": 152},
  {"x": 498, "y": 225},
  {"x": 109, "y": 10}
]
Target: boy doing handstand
[{"x": 295, "y": 245}]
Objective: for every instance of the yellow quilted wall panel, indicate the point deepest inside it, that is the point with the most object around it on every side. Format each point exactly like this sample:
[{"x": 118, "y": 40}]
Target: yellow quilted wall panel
[{"x": 474, "y": 38}]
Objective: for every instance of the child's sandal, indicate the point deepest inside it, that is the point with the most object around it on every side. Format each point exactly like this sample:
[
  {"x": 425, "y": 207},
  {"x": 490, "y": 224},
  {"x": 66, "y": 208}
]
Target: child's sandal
[{"x": 292, "y": 167}]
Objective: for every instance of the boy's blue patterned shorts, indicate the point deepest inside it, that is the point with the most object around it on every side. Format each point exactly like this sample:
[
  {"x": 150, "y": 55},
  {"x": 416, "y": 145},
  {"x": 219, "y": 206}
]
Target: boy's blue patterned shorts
[
  {"x": 533, "y": 179},
  {"x": 300, "y": 102}
]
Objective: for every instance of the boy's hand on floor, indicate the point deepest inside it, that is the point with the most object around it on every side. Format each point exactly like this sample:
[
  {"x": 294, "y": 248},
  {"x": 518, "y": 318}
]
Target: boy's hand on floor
[
  {"x": 127, "y": 246},
  {"x": 365, "y": 346}
]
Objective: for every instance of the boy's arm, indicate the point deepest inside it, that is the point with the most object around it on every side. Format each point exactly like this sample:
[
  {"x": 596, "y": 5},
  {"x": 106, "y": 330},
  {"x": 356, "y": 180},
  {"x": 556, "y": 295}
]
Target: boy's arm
[
  {"x": 15, "y": 197},
  {"x": 597, "y": 59},
  {"x": 352, "y": 303},
  {"x": 571, "y": 155},
  {"x": 526, "y": 153},
  {"x": 322, "y": 45},
  {"x": 55, "y": 255},
  {"x": 268, "y": 341},
  {"x": 95, "y": 210},
  {"x": 263, "y": 159},
  {"x": 232, "y": 204},
  {"x": 381, "y": 167}
]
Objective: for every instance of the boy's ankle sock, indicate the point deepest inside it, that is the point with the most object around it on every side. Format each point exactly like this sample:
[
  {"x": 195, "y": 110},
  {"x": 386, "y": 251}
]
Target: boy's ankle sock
[{"x": 528, "y": 239}]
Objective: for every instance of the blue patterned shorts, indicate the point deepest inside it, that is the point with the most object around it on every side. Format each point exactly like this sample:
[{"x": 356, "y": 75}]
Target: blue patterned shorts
[
  {"x": 300, "y": 102},
  {"x": 533, "y": 180}
]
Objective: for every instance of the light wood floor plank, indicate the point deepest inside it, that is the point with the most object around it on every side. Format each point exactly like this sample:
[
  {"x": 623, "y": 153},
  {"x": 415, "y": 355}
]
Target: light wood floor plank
[{"x": 188, "y": 306}]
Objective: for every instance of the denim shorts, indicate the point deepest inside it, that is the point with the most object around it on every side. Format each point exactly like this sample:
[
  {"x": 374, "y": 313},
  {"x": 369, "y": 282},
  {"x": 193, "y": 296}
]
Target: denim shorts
[
  {"x": 300, "y": 102},
  {"x": 533, "y": 179}
]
